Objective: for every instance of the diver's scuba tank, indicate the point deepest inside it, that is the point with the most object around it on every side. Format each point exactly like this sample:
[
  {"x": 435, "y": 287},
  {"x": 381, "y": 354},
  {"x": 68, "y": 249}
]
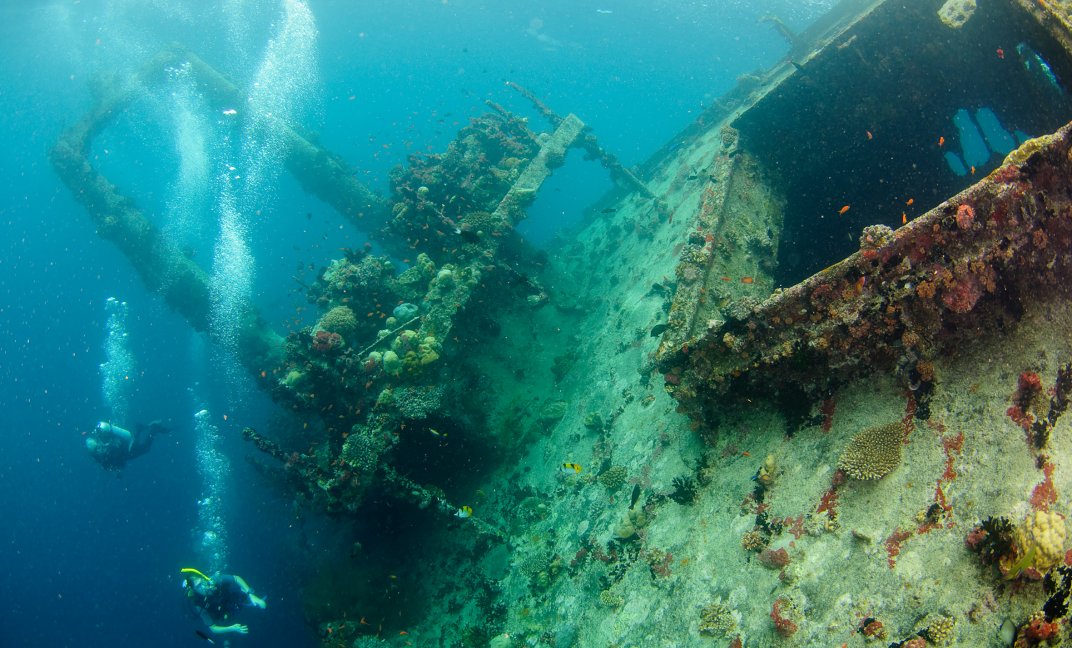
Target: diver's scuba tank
[{"x": 108, "y": 428}]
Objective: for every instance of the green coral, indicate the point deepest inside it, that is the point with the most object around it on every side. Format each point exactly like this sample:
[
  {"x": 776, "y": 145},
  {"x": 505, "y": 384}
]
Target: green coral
[
  {"x": 392, "y": 364},
  {"x": 611, "y": 599},
  {"x": 717, "y": 619},
  {"x": 418, "y": 276},
  {"x": 614, "y": 477}
]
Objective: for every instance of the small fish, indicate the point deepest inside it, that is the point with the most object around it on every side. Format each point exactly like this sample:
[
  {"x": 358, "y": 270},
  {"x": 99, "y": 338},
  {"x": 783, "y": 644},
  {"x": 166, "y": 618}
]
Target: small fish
[
  {"x": 363, "y": 621},
  {"x": 634, "y": 497},
  {"x": 910, "y": 201},
  {"x": 841, "y": 212},
  {"x": 748, "y": 280},
  {"x": 205, "y": 637},
  {"x": 904, "y": 218},
  {"x": 571, "y": 467},
  {"x": 973, "y": 170},
  {"x": 230, "y": 111},
  {"x": 1000, "y": 53},
  {"x": 435, "y": 432},
  {"x": 941, "y": 141},
  {"x": 608, "y": 210},
  {"x": 869, "y": 135},
  {"x": 727, "y": 279},
  {"x": 464, "y": 512},
  {"x": 658, "y": 330},
  {"x": 402, "y": 633}
]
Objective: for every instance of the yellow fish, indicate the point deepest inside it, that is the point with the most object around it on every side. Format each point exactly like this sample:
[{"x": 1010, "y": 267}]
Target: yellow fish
[
  {"x": 464, "y": 512},
  {"x": 567, "y": 467}
]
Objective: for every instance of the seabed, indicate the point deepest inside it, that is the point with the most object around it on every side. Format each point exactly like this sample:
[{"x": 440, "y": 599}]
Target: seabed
[{"x": 660, "y": 448}]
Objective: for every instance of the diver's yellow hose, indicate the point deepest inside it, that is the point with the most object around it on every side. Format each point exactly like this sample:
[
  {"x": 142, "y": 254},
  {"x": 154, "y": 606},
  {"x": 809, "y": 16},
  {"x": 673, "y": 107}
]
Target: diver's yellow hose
[{"x": 191, "y": 570}]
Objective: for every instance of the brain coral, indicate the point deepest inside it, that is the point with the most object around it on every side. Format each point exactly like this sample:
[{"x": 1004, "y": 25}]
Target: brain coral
[{"x": 873, "y": 453}]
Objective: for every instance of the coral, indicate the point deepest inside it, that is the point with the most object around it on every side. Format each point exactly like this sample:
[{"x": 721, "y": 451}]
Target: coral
[
  {"x": 1038, "y": 629},
  {"x": 1042, "y": 427},
  {"x": 893, "y": 545},
  {"x": 917, "y": 642},
  {"x": 613, "y": 478},
  {"x": 1040, "y": 541},
  {"x": 685, "y": 490},
  {"x": 717, "y": 619},
  {"x": 965, "y": 216},
  {"x": 782, "y": 614},
  {"x": 325, "y": 342},
  {"x": 392, "y": 364},
  {"x": 1044, "y": 495},
  {"x": 774, "y": 558},
  {"x": 875, "y": 236},
  {"x": 611, "y": 599},
  {"x": 873, "y": 453},
  {"x": 962, "y": 295},
  {"x": 1059, "y": 583},
  {"x": 428, "y": 351},
  {"x": 404, "y": 311},
  {"x": 553, "y": 412},
  {"x": 954, "y": 13},
  {"x": 339, "y": 320},
  {"x": 419, "y": 402},
  {"x": 767, "y": 471},
  {"x": 873, "y": 629},
  {"x": 659, "y": 562},
  {"x": 992, "y": 539},
  {"x": 937, "y": 629},
  {"x": 753, "y": 541}
]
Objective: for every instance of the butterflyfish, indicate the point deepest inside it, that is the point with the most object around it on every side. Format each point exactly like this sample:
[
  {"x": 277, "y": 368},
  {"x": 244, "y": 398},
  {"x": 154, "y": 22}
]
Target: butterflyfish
[{"x": 571, "y": 467}]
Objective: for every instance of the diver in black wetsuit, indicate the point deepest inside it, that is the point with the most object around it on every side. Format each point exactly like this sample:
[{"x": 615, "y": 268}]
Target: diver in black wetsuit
[
  {"x": 218, "y": 599},
  {"x": 112, "y": 446}
]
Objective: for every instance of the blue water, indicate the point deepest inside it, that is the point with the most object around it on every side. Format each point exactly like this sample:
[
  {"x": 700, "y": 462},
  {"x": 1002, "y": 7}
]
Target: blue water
[{"x": 91, "y": 558}]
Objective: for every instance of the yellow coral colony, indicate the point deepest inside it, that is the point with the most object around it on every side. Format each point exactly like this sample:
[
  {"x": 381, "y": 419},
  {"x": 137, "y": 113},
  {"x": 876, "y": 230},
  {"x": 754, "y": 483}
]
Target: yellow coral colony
[
  {"x": 873, "y": 453},
  {"x": 1042, "y": 535}
]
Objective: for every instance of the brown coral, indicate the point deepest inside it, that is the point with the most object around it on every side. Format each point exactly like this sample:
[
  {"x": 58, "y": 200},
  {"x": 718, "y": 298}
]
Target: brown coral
[
  {"x": 339, "y": 320},
  {"x": 873, "y": 453}
]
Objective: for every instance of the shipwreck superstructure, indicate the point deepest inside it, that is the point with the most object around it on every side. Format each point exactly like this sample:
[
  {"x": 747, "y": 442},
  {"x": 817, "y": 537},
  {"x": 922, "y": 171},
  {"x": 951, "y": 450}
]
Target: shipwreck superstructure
[{"x": 843, "y": 260}]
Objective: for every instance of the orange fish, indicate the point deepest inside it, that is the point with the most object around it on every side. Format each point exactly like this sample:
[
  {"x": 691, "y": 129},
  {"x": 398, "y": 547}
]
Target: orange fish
[
  {"x": 973, "y": 169},
  {"x": 841, "y": 212},
  {"x": 910, "y": 201},
  {"x": 941, "y": 141},
  {"x": 726, "y": 279},
  {"x": 904, "y": 218},
  {"x": 748, "y": 280},
  {"x": 869, "y": 135},
  {"x": 1001, "y": 53}
]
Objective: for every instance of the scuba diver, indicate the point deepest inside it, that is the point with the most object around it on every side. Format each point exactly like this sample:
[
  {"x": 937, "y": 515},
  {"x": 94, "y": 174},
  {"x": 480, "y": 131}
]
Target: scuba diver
[
  {"x": 218, "y": 599},
  {"x": 112, "y": 446}
]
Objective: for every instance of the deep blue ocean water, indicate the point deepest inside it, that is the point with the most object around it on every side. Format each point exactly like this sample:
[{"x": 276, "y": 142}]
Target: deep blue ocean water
[{"x": 91, "y": 558}]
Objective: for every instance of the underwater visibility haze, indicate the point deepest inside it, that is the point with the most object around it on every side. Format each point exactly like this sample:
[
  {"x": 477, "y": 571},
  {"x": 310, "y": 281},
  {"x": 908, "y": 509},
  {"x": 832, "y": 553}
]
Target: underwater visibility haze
[{"x": 565, "y": 323}]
